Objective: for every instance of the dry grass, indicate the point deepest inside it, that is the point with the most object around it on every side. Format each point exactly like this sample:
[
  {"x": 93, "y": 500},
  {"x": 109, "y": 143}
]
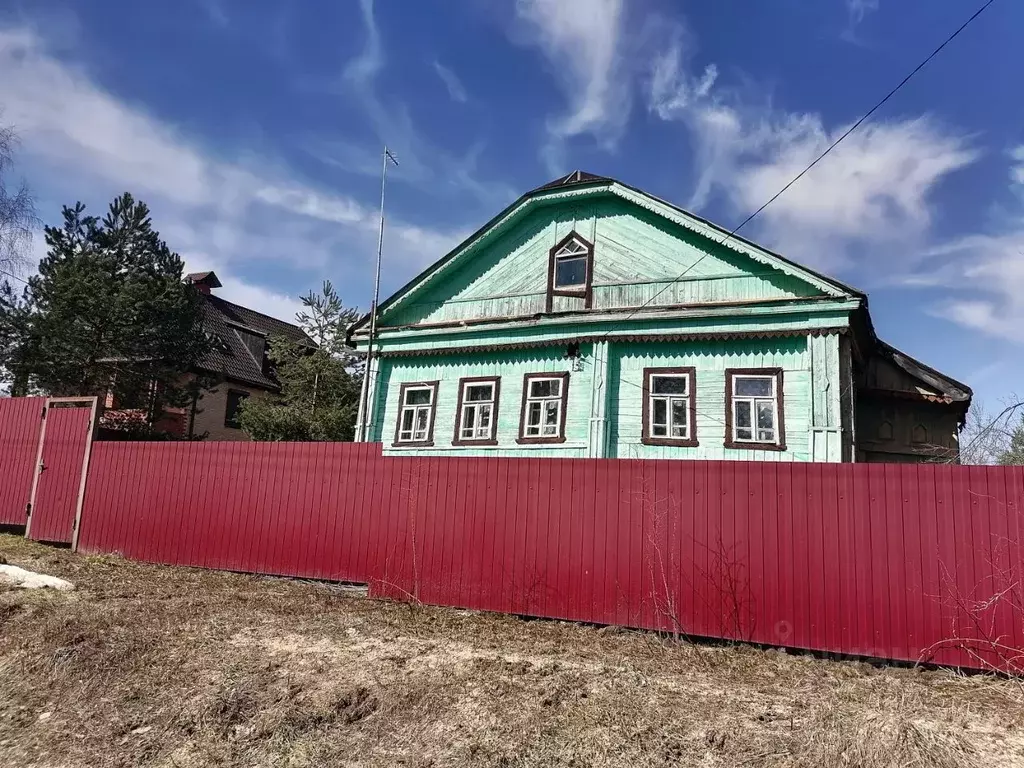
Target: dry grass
[{"x": 147, "y": 665}]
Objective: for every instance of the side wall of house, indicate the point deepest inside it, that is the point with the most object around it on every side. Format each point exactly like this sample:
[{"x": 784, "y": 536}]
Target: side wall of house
[
  {"x": 605, "y": 401},
  {"x": 894, "y": 429},
  {"x": 211, "y": 409}
]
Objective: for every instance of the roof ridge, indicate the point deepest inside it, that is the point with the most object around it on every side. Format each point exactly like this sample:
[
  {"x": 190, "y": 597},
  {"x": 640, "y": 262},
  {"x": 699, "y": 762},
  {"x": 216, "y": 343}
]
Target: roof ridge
[{"x": 255, "y": 311}]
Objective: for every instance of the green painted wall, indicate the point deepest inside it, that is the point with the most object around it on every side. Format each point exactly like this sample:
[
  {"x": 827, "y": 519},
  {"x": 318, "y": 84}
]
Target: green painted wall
[
  {"x": 811, "y": 397},
  {"x": 510, "y": 367},
  {"x": 639, "y": 256},
  {"x": 636, "y": 255}
]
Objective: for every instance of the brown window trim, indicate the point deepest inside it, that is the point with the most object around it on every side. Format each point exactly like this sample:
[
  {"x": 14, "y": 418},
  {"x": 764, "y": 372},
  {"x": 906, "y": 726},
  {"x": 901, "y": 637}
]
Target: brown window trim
[
  {"x": 781, "y": 428},
  {"x": 433, "y": 385},
  {"x": 522, "y": 439},
  {"x": 493, "y": 439},
  {"x": 587, "y": 294},
  {"x": 691, "y": 387}
]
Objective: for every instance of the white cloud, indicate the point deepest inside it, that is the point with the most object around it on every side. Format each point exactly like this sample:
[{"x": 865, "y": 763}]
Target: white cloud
[
  {"x": 988, "y": 268},
  {"x": 858, "y": 9},
  {"x": 456, "y": 90},
  {"x": 1017, "y": 169},
  {"x": 582, "y": 41},
  {"x": 81, "y": 142},
  {"x": 870, "y": 193}
]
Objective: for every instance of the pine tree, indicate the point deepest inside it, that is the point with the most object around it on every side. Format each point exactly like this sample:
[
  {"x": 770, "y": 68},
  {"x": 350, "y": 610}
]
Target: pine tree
[
  {"x": 109, "y": 310},
  {"x": 319, "y": 391}
]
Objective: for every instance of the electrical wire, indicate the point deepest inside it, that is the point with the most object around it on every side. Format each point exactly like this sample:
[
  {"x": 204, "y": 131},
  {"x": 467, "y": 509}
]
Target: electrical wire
[{"x": 820, "y": 157}]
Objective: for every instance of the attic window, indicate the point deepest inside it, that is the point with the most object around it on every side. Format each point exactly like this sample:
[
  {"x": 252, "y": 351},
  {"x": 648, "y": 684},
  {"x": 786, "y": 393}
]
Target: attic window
[
  {"x": 571, "y": 266},
  {"x": 570, "y": 269}
]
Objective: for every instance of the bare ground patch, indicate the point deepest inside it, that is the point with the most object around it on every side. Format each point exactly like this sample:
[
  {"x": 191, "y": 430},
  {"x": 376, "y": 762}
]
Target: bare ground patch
[{"x": 149, "y": 665}]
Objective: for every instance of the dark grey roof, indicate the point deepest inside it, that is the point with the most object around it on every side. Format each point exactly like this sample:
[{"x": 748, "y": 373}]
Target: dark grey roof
[
  {"x": 951, "y": 388},
  {"x": 209, "y": 278},
  {"x": 231, "y": 325},
  {"x": 570, "y": 179}
]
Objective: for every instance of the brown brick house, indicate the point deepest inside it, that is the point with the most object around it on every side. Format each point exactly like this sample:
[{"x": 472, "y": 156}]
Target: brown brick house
[{"x": 238, "y": 366}]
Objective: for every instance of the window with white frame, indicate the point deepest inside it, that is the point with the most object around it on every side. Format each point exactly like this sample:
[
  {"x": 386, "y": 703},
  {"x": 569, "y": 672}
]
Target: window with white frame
[
  {"x": 669, "y": 406},
  {"x": 478, "y": 406},
  {"x": 416, "y": 413},
  {"x": 755, "y": 398},
  {"x": 570, "y": 268},
  {"x": 544, "y": 399}
]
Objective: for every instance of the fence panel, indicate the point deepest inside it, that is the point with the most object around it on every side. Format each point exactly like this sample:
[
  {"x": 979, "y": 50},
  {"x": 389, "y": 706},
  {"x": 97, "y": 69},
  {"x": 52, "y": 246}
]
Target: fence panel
[
  {"x": 20, "y": 422},
  {"x": 869, "y": 560}
]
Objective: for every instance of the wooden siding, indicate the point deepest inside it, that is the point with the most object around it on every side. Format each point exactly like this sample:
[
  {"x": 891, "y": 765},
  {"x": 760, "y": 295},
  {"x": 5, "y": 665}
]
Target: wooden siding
[
  {"x": 605, "y": 398},
  {"x": 638, "y": 257},
  {"x": 510, "y": 367},
  {"x": 710, "y": 361}
]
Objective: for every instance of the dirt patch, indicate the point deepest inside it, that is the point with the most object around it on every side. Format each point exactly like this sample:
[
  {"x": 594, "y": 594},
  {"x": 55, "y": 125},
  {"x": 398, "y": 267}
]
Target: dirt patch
[{"x": 149, "y": 665}]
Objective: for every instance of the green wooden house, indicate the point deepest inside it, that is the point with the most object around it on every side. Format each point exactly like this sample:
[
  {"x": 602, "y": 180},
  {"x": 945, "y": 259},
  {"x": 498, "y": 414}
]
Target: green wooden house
[{"x": 591, "y": 319}]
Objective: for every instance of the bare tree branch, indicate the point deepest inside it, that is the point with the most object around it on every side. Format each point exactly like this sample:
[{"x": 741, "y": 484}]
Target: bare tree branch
[{"x": 17, "y": 211}]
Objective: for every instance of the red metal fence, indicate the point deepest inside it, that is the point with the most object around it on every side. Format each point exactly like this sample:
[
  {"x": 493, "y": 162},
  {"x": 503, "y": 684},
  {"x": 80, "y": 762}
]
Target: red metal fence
[
  {"x": 20, "y": 421},
  {"x": 895, "y": 561}
]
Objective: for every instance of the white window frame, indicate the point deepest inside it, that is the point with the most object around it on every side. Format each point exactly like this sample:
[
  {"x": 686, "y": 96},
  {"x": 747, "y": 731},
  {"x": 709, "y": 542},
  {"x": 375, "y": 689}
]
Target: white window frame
[
  {"x": 408, "y": 436},
  {"x": 754, "y": 402},
  {"x": 650, "y": 374},
  {"x": 477, "y": 406},
  {"x": 526, "y": 429},
  {"x": 574, "y": 249}
]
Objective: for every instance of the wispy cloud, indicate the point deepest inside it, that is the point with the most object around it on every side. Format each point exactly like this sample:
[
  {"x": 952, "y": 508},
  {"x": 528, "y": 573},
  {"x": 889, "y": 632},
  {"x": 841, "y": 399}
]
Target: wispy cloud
[
  {"x": 582, "y": 41},
  {"x": 424, "y": 164},
  {"x": 872, "y": 190},
  {"x": 985, "y": 271},
  {"x": 451, "y": 81},
  {"x": 81, "y": 142}
]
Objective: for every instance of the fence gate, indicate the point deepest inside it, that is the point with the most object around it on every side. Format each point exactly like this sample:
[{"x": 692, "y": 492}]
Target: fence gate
[{"x": 65, "y": 442}]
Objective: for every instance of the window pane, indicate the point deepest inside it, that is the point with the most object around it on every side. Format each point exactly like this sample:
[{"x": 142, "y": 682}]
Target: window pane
[
  {"x": 679, "y": 418},
  {"x": 485, "y": 415},
  {"x": 574, "y": 246},
  {"x": 659, "y": 430},
  {"x": 744, "y": 434},
  {"x": 570, "y": 271},
  {"x": 765, "y": 415},
  {"x": 750, "y": 386},
  {"x": 668, "y": 385},
  {"x": 743, "y": 414},
  {"x": 480, "y": 392},
  {"x": 551, "y": 412},
  {"x": 469, "y": 419},
  {"x": 545, "y": 387},
  {"x": 417, "y": 396},
  {"x": 407, "y": 420},
  {"x": 660, "y": 411},
  {"x": 421, "y": 420},
  {"x": 533, "y": 416},
  {"x": 766, "y": 435}
]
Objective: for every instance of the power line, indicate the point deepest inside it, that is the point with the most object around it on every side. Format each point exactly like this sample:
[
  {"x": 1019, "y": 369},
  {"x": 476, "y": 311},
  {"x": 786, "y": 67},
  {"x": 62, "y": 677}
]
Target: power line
[
  {"x": 820, "y": 157},
  {"x": 9, "y": 274}
]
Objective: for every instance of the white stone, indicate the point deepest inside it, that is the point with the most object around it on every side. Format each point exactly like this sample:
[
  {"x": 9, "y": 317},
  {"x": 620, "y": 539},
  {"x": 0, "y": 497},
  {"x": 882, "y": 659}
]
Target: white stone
[{"x": 19, "y": 577}]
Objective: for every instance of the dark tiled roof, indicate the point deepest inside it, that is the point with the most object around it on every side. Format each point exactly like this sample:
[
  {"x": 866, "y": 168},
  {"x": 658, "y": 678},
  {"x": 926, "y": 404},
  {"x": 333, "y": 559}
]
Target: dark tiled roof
[
  {"x": 232, "y": 324},
  {"x": 576, "y": 177},
  {"x": 198, "y": 277}
]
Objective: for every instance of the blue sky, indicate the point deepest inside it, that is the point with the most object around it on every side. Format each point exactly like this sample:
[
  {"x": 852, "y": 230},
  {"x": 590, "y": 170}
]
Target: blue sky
[{"x": 253, "y": 129}]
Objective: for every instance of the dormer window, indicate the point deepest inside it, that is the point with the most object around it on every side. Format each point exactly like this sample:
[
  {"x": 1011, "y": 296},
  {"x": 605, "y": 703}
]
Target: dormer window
[{"x": 570, "y": 269}]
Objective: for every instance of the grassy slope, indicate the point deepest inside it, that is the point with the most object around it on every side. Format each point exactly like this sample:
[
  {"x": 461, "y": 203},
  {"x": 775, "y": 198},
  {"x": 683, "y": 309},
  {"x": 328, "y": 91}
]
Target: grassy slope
[{"x": 147, "y": 665}]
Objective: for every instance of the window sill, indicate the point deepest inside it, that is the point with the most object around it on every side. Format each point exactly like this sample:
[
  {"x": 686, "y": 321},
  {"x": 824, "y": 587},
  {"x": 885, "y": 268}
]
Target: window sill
[
  {"x": 689, "y": 443},
  {"x": 473, "y": 443},
  {"x": 419, "y": 444},
  {"x": 567, "y": 446},
  {"x": 539, "y": 440},
  {"x": 755, "y": 446}
]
